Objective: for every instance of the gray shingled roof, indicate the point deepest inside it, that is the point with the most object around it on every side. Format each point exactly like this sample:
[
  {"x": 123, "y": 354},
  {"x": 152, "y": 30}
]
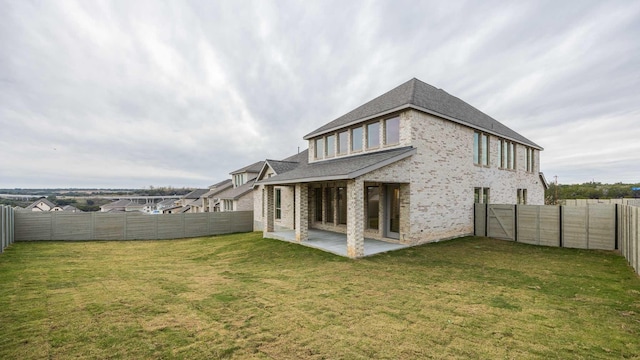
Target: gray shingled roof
[
  {"x": 341, "y": 168},
  {"x": 221, "y": 183},
  {"x": 42, "y": 199},
  {"x": 235, "y": 193},
  {"x": 422, "y": 96},
  {"x": 195, "y": 194},
  {"x": 253, "y": 168}
]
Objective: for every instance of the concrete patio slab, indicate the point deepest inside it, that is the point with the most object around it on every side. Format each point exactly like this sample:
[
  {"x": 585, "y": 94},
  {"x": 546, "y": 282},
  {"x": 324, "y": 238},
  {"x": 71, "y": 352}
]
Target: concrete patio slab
[{"x": 334, "y": 243}]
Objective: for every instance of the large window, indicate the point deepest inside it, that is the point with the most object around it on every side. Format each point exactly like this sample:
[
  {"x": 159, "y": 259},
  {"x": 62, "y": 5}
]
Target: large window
[
  {"x": 319, "y": 149},
  {"x": 507, "y": 155},
  {"x": 319, "y": 204},
  {"x": 373, "y": 207},
  {"x": 342, "y": 205},
  {"x": 329, "y": 205},
  {"x": 343, "y": 142},
  {"x": 392, "y": 131},
  {"x": 356, "y": 139},
  {"x": 373, "y": 135},
  {"x": 331, "y": 146},
  {"x": 530, "y": 159},
  {"x": 278, "y": 204},
  {"x": 481, "y": 195},
  {"x": 480, "y": 149}
]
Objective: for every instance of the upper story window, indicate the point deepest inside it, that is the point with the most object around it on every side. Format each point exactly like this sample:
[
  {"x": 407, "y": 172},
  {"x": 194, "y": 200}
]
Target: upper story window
[
  {"x": 392, "y": 131},
  {"x": 238, "y": 180},
  {"x": 373, "y": 135},
  {"x": 319, "y": 148},
  {"x": 530, "y": 159},
  {"x": 331, "y": 146},
  {"x": 507, "y": 154},
  {"x": 480, "y": 149},
  {"x": 343, "y": 142},
  {"x": 356, "y": 139}
]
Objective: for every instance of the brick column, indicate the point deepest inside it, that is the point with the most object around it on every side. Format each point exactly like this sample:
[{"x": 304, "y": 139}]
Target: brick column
[
  {"x": 269, "y": 209},
  {"x": 302, "y": 212},
  {"x": 355, "y": 218}
]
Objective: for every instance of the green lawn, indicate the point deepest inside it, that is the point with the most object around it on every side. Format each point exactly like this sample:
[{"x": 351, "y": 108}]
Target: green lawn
[{"x": 241, "y": 296}]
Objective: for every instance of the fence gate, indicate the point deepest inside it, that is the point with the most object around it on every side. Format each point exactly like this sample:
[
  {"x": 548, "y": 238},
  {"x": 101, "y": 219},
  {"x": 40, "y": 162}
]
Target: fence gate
[{"x": 501, "y": 222}]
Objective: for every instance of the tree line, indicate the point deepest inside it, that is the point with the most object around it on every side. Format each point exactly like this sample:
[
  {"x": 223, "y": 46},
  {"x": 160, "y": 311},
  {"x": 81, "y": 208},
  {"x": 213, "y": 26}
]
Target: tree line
[{"x": 590, "y": 190}]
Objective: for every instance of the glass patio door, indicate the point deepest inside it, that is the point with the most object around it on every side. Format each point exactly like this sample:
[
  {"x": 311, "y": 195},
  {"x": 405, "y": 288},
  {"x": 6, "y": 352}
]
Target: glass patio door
[{"x": 393, "y": 212}]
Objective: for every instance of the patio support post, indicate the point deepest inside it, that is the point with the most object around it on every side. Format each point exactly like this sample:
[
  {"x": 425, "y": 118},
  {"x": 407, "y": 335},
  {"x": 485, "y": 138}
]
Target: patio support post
[
  {"x": 355, "y": 218},
  {"x": 302, "y": 212},
  {"x": 269, "y": 213}
]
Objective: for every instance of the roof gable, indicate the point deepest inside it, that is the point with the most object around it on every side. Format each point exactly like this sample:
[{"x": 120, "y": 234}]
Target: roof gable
[{"x": 424, "y": 97}]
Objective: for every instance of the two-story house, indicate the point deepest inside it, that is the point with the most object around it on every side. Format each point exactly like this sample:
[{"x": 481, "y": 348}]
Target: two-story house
[
  {"x": 405, "y": 167},
  {"x": 240, "y": 196}
]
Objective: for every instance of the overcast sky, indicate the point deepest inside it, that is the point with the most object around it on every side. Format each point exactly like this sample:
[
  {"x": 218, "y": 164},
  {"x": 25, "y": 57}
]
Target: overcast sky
[{"x": 134, "y": 93}]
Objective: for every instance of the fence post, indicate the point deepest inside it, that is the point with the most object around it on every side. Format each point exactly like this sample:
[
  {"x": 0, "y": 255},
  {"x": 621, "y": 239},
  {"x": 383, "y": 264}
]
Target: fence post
[
  {"x": 515, "y": 223},
  {"x": 561, "y": 226},
  {"x": 3, "y": 229}
]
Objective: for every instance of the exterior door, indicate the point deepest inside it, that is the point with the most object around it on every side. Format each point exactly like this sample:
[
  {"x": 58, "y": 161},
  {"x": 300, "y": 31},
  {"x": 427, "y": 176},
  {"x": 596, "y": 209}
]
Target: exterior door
[{"x": 392, "y": 220}]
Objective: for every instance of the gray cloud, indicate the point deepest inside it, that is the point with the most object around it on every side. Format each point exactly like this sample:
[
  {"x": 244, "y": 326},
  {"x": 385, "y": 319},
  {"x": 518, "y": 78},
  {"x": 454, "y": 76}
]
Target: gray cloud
[{"x": 128, "y": 94}]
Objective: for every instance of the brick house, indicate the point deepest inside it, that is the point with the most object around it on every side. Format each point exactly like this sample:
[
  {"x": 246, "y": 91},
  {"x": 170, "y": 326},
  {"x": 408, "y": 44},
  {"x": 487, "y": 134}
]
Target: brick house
[{"x": 405, "y": 167}]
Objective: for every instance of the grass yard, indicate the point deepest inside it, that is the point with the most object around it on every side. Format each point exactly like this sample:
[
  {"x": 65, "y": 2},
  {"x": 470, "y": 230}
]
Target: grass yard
[{"x": 241, "y": 296}]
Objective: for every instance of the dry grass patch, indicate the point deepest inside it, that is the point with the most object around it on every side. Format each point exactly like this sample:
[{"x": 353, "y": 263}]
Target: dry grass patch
[{"x": 240, "y": 296}]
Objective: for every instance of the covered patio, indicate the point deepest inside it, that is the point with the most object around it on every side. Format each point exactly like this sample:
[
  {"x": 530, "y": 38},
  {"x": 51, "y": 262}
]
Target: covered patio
[{"x": 335, "y": 243}]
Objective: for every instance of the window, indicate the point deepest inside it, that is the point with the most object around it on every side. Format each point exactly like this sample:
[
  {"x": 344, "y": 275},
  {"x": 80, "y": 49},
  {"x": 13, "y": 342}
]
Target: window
[
  {"x": 481, "y": 195},
  {"x": 238, "y": 180},
  {"x": 373, "y": 207},
  {"x": 331, "y": 146},
  {"x": 342, "y": 205},
  {"x": 329, "y": 204},
  {"x": 319, "y": 149},
  {"x": 480, "y": 149},
  {"x": 373, "y": 135},
  {"x": 343, "y": 142},
  {"x": 356, "y": 139},
  {"x": 278, "y": 204},
  {"x": 392, "y": 131},
  {"x": 507, "y": 154},
  {"x": 319, "y": 204},
  {"x": 522, "y": 196},
  {"x": 228, "y": 205},
  {"x": 530, "y": 159}
]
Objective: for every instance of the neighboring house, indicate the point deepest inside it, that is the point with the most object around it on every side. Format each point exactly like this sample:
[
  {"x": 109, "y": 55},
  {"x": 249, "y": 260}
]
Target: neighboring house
[
  {"x": 240, "y": 196},
  {"x": 43, "y": 204},
  {"x": 116, "y": 206},
  {"x": 405, "y": 167},
  {"x": 165, "y": 204},
  {"x": 70, "y": 208},
  {"x": 211, "y": 200},
  {"x": 193, "y": 200}
]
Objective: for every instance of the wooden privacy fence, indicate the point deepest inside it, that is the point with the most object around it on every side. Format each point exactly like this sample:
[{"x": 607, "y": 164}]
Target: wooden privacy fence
[
  {"x": 603, "y": 227},
  {"x": 30, "y": 226},
  {"x": 6, "y": 227}
]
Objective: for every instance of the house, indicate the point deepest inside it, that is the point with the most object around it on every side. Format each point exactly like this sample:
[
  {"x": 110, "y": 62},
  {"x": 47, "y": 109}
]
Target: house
[
  {"x": 116, "y": 206},
  {"x": 193, "y": 202},
  {"x": 405, "y": 167},
  {"x": 43, "y": 204},
  {"x": 240, "y": 196},
  {"x": 211, "y": 200}
]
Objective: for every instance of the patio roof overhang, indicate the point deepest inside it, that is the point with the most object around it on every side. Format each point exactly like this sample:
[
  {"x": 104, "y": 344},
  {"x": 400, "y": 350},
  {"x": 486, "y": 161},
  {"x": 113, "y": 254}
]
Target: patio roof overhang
[{"x": 340, "y": 169}]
